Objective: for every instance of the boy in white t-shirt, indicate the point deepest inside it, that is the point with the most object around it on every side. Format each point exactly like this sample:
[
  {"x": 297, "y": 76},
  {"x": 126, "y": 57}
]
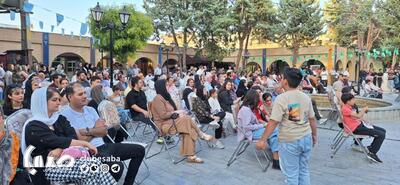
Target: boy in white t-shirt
[{"x": 294, "y": 114}]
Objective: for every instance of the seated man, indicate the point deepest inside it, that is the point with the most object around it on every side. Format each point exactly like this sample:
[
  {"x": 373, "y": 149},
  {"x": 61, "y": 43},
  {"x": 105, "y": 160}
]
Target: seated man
[
  {"x": 91, "y": 128},
  {"x": 354, "y": 122},
  {"x": 371, "y": 88},
  {"x": 136, "y": 102}
]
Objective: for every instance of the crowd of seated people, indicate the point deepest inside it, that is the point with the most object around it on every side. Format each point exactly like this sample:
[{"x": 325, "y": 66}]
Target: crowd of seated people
[{"x": 222, "y": 100}]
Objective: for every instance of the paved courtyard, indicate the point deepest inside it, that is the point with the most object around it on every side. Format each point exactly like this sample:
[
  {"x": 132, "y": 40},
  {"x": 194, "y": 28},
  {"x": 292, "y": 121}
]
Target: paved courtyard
[{"x": 348, "y": 167}]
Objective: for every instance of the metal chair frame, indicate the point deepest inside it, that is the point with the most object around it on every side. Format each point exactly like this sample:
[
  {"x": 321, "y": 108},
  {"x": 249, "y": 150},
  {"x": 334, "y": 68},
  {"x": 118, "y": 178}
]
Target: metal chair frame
[
  {"x": 342, "y": 136},
  {"x": 128, "y": 142},
  {"x": 243, "y": 145}
]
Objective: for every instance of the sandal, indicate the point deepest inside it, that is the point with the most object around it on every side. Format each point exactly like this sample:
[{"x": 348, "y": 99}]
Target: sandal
[
  {"x": 207, "y": 137},
  {"x": 195, "y": 159}
]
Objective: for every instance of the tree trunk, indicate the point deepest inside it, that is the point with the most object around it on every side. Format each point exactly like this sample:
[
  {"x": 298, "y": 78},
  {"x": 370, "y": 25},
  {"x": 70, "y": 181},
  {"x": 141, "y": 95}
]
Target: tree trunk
[
  {"x": 185, "y": 44},
  {"x": 240, "y": 52},
  {"x": 245, "y": 48},
  {"x": 295, "y": 55}
]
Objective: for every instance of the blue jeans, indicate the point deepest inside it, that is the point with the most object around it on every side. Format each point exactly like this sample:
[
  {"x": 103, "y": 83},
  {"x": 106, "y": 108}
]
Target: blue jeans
[
  {"x": 272, "y": 140},
  {"x": 294, "y": 157}
]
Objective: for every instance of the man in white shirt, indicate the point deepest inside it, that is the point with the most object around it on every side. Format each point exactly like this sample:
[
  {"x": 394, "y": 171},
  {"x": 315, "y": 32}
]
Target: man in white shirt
[{"x": 91, "y": 128}]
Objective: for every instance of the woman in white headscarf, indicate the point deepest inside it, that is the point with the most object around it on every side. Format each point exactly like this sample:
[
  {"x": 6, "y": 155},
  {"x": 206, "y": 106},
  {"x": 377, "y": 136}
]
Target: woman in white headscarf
[{"x": 51, "y": 133}]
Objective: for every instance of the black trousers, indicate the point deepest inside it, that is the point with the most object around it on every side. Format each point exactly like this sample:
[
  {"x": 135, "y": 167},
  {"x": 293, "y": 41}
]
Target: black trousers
[
  {"x": 377, "y": 132},
  {"x": 218, "y": 132},
  {"x": 142, "y": 118},
  {"x": 124, "y": 152}
]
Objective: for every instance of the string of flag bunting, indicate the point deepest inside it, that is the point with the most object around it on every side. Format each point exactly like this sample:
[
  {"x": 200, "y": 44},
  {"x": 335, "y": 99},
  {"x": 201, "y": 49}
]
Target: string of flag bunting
[{"x": 60, "y": 18}]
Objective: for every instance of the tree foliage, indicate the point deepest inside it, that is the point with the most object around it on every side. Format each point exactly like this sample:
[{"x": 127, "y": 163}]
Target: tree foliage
[
  {"x": 355, "y": 23},
  {"x": 127, "y": 41},
  {"x": 211, "y": 28},
  {"x": 389, "y": 14},
  {"x": 249, "y": 16},
  {"x": 298, "y": 23}
]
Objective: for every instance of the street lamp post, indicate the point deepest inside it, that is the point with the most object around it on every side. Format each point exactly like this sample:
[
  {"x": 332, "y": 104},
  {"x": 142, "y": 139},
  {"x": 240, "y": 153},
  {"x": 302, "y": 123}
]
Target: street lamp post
[
  {"x": 166, "y": 48},
  {"x": 97, "y": 15}
]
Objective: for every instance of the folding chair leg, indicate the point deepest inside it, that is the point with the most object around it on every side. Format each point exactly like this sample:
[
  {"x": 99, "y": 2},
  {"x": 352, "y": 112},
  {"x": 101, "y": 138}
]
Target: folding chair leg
[
  {"x": 338, "y": 137},
  {"x": 147, "y": 173},
  {"x": 238, "y": 151},
  {"x": 339, "y": 145},
  {"x": 364, "y": 149},
  {"x": 266, "y": 156}
]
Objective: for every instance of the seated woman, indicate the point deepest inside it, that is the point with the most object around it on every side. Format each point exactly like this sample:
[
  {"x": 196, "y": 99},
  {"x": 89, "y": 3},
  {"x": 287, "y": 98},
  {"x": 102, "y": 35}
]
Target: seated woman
[
  {"x": 97, "y": 96},
  {"x": 189, "y": 89},
  {"x": 202, "y": 110},
  {"x": 14, "y": 99},
  {"x": 119, "y": 103},
  {"x": 216, "y": 108},
  {"x": 263, "y": 111},
  {"x": 51, "y": 133},
  {"x": 247, "y": 121},
  {"x": 30, "y": 86},
  {"x": 116, "y": 97},
  {"x": 354, "y": 121},
  {"x": 164, "y": 111},
  {"x": 242, "y": 89}
]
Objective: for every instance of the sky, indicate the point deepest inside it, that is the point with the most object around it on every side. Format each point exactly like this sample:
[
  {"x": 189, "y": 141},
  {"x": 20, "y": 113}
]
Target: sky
[{"x": 75, "y": 12}]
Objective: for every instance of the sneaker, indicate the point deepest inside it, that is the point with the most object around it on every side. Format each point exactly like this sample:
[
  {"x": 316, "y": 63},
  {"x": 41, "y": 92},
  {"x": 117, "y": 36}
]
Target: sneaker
[
  {"x": 275, "y": 164},
  {"x": 357, "y": 148},
  {"x": 170, "y": 140},
  {"x": 160, "y": 140},
  {"x": 219, "y": 144},
  {"x": 214, "y": 124},
  {"x": 373, "y": 157}
]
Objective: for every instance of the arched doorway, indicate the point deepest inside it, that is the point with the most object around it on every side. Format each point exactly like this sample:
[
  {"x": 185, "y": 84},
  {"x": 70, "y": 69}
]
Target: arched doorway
[
  {"x": 252, "y": 67},
  {"x": 277, "y": 67},
  {"x": 70, "y": 60},
  {"x": 145, "y": 65},
  {"x": 170, "y": 64},
  {"x": 339, "y": 65}
]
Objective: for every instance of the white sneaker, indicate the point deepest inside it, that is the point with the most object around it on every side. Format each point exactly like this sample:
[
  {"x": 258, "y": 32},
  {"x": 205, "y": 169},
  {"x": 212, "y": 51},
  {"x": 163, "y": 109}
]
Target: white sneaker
[
  {"x": 219, "y": 144},
  {"x": 214, "y": 124}
]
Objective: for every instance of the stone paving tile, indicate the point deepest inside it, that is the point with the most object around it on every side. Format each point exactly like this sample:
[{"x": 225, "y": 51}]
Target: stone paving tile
[{"x": 346, "y": 168}]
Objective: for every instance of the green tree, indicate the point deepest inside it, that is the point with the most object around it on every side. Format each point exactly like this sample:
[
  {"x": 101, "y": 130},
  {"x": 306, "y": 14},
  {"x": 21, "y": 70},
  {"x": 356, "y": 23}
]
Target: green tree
[
  {"x": 248, "y": 16},
  {"x": 389, "y": 14},
  {"x": 128, "y": 41},
  {"x": 298, "y": 24},
  {"x": 172, "y": 17},
  {"x": 354, "y": 23},
  {"x": 211, "y": 28}
]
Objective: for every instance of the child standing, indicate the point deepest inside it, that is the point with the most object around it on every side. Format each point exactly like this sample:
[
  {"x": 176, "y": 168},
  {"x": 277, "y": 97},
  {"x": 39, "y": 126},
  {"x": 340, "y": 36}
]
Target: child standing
[{"x": 294, "y": 114}]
